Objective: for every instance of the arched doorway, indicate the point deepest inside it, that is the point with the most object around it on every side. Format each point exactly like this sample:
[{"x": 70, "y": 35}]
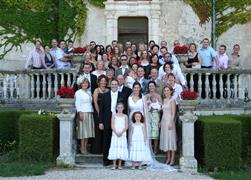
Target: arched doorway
[{"x": 134, "y": 29}]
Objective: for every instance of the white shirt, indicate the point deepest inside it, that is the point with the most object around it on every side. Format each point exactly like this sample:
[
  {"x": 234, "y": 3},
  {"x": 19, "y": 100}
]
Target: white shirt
[
  {"x": 221, "y": 61},
  {"x": 123, "y": 68},
  {"x": 60, "y": 64},
  {"x": 34, "y": 59},
  {"x": 83, "y": 101},
  {"x": 176, "y": 71},
  {"x": 114, "y": 97},
  {"x": 129, "y": 81},
  {"x": 120, "y": 88}
]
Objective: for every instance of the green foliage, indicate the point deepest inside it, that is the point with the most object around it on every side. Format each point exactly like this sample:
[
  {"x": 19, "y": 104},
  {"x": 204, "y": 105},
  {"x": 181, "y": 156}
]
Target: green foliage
[
  {"x": 38, "y": 137},
  {"x": 25, "y": 21},
  {"x": 218, "y": 142},
  {"x": 228, "y": 12},
  {"x": 99, "y": 3},
  {"x": 230, "y": 175},
  {"x": 9, "y": 129}
]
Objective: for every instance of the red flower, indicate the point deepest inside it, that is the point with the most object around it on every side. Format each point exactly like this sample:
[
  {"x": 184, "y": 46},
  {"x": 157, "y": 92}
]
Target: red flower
[
  {"x": 66, "y": 92},
  {"x": 79, "y": 50},
  {"x": 189, "y": 95},
  {"x": 180, "y": 49}
]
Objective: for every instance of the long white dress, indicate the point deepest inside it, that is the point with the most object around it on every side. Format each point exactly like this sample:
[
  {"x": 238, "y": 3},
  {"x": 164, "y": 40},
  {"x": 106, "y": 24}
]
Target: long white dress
[
  {"x": 119, "y": 148},
  {"x": 134, "y": 107}
]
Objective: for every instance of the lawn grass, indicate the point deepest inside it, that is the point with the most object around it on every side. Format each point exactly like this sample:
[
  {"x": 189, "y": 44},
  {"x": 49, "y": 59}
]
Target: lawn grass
[
  {"x": 10, "y": 169},
  {"x": 239, "y": 175},
  {"x": 11, "y": 166}
]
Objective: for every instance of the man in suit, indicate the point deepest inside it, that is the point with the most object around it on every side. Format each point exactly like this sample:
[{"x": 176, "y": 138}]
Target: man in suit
[
  {"x": 141, "y": 79},
  {"x": 154, "y": 74},
  {"x": 123, "y": 70},
  {"x": 86, "y": 73},
  {"x": 107, "y": 109},
  {"x": 126, "y": 92}
]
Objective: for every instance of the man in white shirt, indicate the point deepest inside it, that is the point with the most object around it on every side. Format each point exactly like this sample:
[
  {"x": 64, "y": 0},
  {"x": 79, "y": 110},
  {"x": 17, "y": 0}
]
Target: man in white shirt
[
  {"x": 176, "y": 87},
  {"x": 221, "y": 62},
  {"x": 35, "y": 57},
  {"x": 62, "y": 59},
  {"x": 176, "y": 69}
]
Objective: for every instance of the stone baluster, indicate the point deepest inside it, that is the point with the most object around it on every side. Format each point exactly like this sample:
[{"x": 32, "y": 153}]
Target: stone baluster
[
  {"x": 68, "y": 79},
  {"x": 11, "y": 82},
  {"x": 44, "y": 86},
  {"x": 55, "y": 84},
  {"x": 221, "y": 86},
  {"x": 214, "y": 85},
  {"x": 62, "y": 80},
  {"x": 241, "y": 87},
  {"x": 73, "y": 80},
  {"x": 49, "y": 85},
  {"x": 32, "y": 86},
  {"x": 192, "y": 82},
  {"x": 207, "y": 87},
  {"x": 199, "y": 85},
  {"x": 5, "y": 86},
  {"x": 37, "y": 85},
  {"x": 228, "y": 86},
  {"x": 17, "y": 78},
  {"x": 235, "y": 86}
]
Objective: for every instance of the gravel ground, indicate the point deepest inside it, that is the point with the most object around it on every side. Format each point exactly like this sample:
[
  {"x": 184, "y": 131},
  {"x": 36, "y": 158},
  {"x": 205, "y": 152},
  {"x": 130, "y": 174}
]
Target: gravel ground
[{"x": 105, "y": 174}]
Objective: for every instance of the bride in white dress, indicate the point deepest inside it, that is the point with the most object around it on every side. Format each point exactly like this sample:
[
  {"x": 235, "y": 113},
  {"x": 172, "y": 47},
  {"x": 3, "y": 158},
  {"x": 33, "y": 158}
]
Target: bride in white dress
[{"x": 136, "y": 103}]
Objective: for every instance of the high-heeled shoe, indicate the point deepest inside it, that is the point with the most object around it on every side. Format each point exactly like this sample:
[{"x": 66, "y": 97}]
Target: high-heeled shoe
[
  {"x": 172, "y": 163},
  {"x": 168, "y": 162}
]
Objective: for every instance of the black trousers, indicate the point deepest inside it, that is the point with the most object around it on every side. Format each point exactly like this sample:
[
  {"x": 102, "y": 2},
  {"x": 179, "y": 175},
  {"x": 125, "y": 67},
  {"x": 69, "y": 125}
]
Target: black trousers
[{"x": 106, "y": 145}]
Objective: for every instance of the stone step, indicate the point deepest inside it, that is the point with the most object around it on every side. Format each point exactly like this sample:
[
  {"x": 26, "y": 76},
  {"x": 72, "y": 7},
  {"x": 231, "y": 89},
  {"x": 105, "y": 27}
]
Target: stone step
[{"x": 98, "y": 158}]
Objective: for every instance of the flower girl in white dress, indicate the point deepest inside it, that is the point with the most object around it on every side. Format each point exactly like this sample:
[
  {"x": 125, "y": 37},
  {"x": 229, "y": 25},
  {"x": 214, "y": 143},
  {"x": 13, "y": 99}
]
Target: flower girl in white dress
[
  {"x": 138, "y": 141},
  {"x": 119, "y": 150}
]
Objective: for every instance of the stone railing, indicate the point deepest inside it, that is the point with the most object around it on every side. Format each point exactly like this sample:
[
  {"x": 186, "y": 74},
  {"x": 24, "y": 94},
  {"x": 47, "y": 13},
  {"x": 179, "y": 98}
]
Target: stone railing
[
  {"x": 34, "y": 84},
  {"x": 43, "y": 84},
  {"x": 214, "y": 84}
]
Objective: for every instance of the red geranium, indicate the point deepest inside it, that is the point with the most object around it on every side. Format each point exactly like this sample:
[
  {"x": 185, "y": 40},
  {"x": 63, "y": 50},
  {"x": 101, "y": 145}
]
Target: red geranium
[
  {"x": 180, "y": 49},
  {"x": 66, "y": 92},
  {"x": 189, "y": 95},
  {"x": 79, "y": 50}
]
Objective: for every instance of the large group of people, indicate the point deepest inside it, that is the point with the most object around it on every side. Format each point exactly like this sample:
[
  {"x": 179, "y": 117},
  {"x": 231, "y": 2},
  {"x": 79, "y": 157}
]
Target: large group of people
[{"x": 127, "y": 97}]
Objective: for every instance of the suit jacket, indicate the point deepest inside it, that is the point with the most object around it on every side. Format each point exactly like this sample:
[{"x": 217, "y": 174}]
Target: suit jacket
[
  {"x": 93, "y": 83},
  {"x": 119, "y": 72},
  {"x": 105, "y": 113},
  {"x": 126, "y": 92}
]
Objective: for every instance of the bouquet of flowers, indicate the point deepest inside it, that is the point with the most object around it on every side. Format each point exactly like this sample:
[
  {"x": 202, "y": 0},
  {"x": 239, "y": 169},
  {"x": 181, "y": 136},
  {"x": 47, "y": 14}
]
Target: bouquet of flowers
[
  {"x": 182, "y": 49},
  {"x": 189, "y": 95},
  {"x": 66, "y": 92},
  {"x": 79, "y": 50}
]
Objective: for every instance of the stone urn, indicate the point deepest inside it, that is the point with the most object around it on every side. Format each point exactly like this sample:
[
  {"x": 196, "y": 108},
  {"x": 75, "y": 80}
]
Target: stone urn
[
  {"x": 66, "y": 105},
  {"x": 77, "y": 60},
  {"x": 188, "y": 105},
  {"x": 182, "y": 58}
]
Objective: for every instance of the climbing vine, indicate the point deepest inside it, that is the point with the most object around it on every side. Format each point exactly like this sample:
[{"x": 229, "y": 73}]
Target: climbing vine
[
  {"x": 27, "y": 20},
  {"x": 228, "y": 12}
]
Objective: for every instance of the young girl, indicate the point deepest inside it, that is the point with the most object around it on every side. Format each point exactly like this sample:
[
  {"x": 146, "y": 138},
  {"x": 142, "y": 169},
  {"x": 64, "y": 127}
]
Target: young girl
[
  {"x": 130, "y": 79},
  {"x": 118, "y": 149},
  {"x": 138, "y": 149}
]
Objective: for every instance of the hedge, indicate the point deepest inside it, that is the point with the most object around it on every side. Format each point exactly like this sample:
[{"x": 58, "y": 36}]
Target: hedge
[
  {"x": 39, "y": 140},
  {"x": 9, "y": 129},
  {"x": 218, "y": 142}
]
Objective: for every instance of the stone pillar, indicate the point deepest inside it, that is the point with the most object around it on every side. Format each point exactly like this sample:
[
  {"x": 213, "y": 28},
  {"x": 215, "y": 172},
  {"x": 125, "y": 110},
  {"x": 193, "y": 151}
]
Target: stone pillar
[
  {"x": 187, "y": 160},
  {"x": 66, "y": 146}
]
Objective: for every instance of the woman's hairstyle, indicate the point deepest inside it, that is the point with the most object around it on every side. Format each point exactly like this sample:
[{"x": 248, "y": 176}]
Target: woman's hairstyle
[
  {"x": 135, "y": 84},
  {"x": 168, "y": 63},
  {"x": 46, "y": 45},
  {"x": 119, "y": 103},
  {"x": 142, "y": 120},
  {"x": 193, "y": 44},
  {"x": 170, "y": 88},
  {"x": 85, "y": 80},
  {"x": 153, "y": 55},
  {"x": 108, "y": 46},
  {"x": 102, "y": 76}
]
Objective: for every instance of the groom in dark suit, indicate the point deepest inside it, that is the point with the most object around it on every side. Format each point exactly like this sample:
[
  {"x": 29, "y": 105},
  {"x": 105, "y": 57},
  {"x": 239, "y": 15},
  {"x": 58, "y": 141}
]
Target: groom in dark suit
[{"x": 109, "y": 101}]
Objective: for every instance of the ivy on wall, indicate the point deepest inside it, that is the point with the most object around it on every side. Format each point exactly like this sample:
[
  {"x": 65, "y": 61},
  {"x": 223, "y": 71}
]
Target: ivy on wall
[
  {"x": 228, "y": 12},
  {"x": 27, "y": 20}
]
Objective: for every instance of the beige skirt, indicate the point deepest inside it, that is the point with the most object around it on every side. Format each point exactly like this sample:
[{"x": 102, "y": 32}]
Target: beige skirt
[{"x": 85, "y": 128}]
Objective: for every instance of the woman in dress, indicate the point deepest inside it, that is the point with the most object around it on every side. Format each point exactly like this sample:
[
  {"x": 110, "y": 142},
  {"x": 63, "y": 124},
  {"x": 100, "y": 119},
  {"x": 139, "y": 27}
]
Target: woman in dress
[
  {"x": 168, "y": 130},
  {"x": 85, "y": 122},
  {"x": 110, "y": 76},
  {"x": 153, "y": 103},
  {"x": 114, "y": 63},
  {"x": 48, "y": 61},
  {"x": 154, "y": 61},
  {"x": 97, "y": 143},
  {"x": 144, "y": 59}
]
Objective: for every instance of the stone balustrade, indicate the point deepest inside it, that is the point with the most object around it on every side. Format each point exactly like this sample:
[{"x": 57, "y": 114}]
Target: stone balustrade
[{"x": 43, "y": 84}]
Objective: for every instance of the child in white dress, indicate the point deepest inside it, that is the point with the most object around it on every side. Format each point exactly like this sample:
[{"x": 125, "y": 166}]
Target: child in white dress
[
  {"x": 130, "y": 79},
  {"x": 138, "y": 149},
  {"x": 119, "y": 150}
]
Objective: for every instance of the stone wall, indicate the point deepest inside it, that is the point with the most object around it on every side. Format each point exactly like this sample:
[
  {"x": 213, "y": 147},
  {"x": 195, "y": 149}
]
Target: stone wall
[{"x": 177, "y": 21}]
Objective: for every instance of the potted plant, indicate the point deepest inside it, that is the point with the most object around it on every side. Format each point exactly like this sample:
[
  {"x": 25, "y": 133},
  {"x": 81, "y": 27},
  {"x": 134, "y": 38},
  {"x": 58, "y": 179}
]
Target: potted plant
[
  {"x": 189, "y": 100},
  {"x": 181, "y": 53},
  {"x": 78, "y": 58},
  {"x": 66, "y": 98}
]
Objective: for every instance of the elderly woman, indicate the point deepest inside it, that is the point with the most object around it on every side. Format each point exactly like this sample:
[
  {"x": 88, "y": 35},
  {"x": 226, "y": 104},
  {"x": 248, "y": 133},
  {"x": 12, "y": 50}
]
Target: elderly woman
[
  {"x": 85, "y": 122},
  {"x": 99, "y": 69}
]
